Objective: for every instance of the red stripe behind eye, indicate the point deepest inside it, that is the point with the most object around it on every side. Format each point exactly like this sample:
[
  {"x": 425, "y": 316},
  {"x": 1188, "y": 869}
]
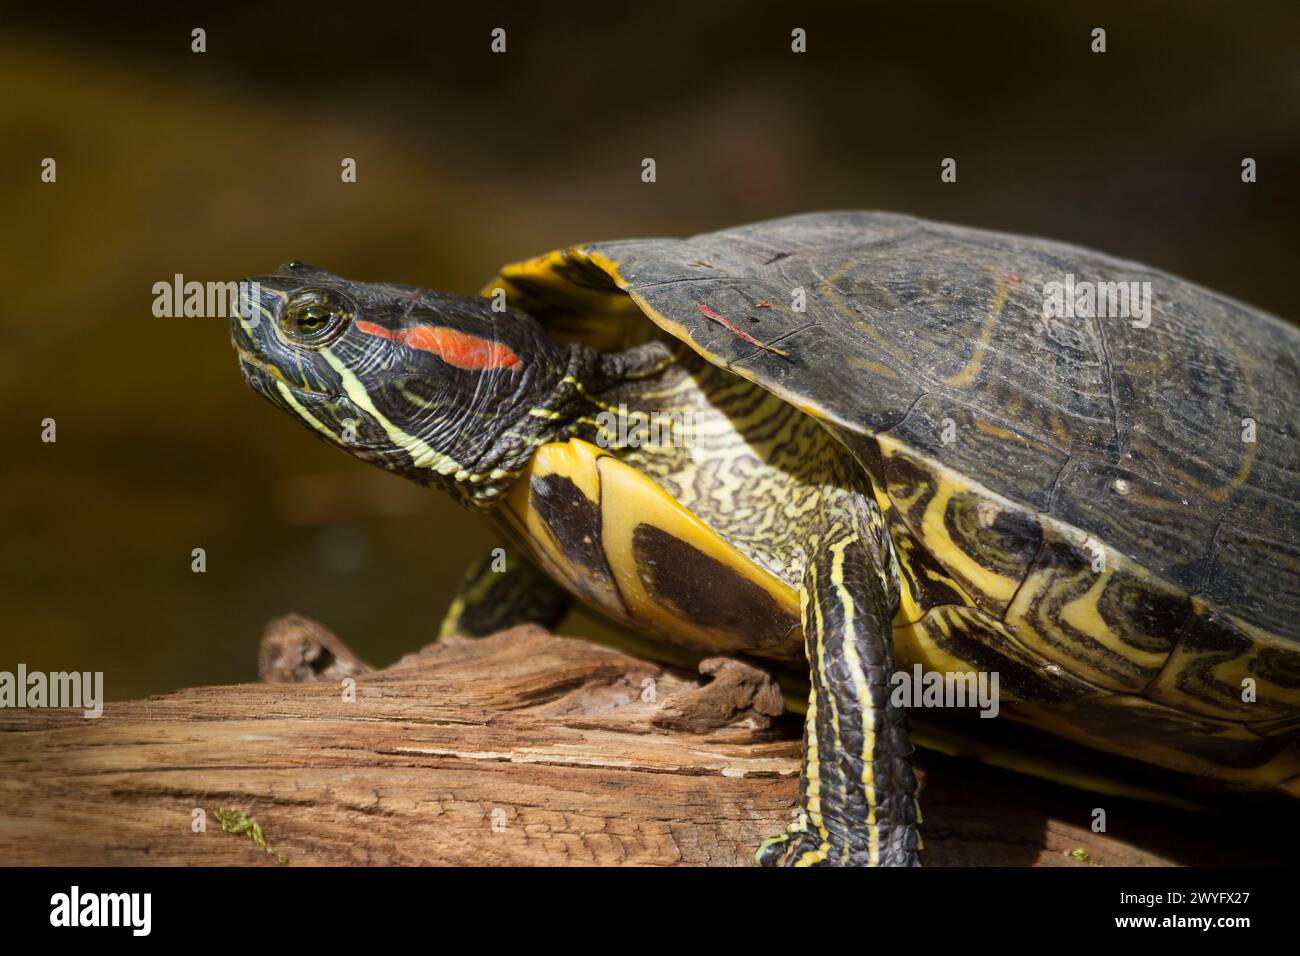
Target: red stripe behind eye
[{"x": 451, "y": 345}]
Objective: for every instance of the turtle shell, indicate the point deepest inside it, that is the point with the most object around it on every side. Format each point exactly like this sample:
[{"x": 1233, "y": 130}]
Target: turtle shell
[{"x": 1121, "y": 491}]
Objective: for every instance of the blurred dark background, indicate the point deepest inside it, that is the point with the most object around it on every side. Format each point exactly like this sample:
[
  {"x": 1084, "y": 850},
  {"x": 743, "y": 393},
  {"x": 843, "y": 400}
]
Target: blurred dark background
[{"x": 225, "y": 163}]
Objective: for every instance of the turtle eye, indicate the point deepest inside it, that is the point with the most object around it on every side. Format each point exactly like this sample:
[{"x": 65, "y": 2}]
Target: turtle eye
[{"x": 315, "y": 317}]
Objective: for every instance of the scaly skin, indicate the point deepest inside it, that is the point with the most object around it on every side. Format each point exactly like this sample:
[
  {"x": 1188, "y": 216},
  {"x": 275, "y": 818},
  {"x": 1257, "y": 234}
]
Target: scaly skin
[{"x": 446, "y": 392}]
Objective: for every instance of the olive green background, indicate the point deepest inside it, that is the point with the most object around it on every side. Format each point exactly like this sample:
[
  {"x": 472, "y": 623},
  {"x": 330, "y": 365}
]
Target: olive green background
[{"x": 227, "y": 163}]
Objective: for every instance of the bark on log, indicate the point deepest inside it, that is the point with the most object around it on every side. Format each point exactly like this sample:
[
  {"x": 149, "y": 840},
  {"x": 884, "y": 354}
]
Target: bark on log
[{"x": 521, "y": 748}]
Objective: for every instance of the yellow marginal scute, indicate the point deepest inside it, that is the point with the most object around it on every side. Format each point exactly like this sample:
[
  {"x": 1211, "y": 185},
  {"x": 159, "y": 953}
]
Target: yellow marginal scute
[
  {"x": 1208, "y": 681},
  {"x": 1175, "y": 750},
  {"x": 933, "y": 532},
  {"x": 909, "y": 608},
  {"x": 594, "y": 313},
  {"x": 915, "y": 643},
  {"x": 1076, "y": 636}
]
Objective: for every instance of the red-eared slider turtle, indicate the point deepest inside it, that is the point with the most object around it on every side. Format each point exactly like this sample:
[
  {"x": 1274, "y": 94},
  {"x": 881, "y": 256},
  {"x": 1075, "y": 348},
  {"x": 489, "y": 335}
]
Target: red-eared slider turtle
[{"x": 867, "y": 440}]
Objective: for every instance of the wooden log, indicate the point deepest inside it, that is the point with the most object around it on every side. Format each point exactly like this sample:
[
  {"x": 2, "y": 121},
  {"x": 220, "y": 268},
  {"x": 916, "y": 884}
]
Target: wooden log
[{"x": 521, "y": 748}]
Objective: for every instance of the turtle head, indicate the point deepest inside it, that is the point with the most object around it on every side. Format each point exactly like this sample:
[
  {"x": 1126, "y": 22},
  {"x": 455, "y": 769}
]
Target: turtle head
[{"x": 436, "y": 388}]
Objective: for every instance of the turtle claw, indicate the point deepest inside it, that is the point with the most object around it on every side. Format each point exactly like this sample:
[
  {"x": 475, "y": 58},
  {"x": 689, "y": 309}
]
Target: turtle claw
[
  {"x": 797, "y": 846},
  {"x": 801, "y": 845}
]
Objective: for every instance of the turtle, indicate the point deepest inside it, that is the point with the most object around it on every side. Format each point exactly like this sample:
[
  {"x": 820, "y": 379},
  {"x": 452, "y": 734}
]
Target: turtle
[{"x": 865, "y": 446}]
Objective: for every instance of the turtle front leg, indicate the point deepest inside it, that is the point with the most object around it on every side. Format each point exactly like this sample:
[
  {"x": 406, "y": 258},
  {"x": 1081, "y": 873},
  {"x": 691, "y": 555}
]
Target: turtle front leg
[
  {"x": 858, "y": 803},
  {"x": 502, "y": 590}
]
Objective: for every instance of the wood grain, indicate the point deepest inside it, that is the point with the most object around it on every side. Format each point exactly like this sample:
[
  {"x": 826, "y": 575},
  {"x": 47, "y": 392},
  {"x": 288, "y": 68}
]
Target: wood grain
[{"x": 521, "y": 748}]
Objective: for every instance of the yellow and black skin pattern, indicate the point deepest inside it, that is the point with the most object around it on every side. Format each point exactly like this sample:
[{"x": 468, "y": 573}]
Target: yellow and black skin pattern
[
  {"x": 453, "y": 395},
  {"x": 1126, "y": 567},
  {"x": 858, "y": 800}
]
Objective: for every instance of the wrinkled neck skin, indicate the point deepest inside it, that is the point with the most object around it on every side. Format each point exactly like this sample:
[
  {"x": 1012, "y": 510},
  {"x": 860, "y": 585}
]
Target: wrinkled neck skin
[{"x": 580, "y": 384}]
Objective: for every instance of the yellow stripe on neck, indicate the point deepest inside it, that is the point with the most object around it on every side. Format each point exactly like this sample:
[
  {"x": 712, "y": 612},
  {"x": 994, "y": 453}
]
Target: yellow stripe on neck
[{"x": 422, "y": 455}]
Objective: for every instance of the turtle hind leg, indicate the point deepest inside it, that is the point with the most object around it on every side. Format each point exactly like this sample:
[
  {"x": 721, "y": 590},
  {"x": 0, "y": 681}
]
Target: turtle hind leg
[
  {"x": 502, "y": 590},
  {"x": 858, "y": 798}
]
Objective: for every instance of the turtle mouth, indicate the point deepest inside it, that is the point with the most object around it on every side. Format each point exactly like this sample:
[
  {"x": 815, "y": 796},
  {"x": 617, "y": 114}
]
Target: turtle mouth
[{"x": 266, "y": 377}]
